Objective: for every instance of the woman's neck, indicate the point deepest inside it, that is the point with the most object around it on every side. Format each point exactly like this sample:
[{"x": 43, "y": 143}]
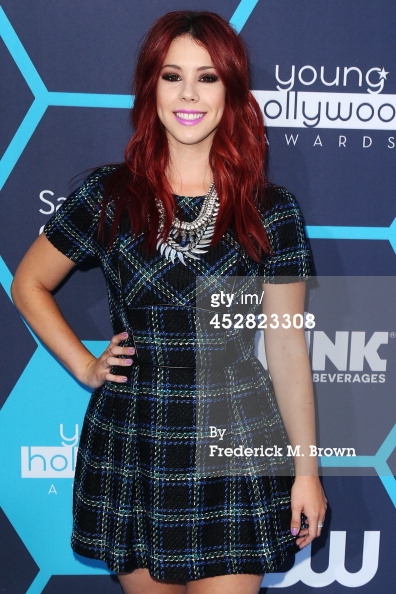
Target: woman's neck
[{"x": 188, "y": 172}]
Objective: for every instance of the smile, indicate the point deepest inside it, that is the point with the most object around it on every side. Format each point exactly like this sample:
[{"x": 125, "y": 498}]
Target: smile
[{"x": 189, "y": 118}]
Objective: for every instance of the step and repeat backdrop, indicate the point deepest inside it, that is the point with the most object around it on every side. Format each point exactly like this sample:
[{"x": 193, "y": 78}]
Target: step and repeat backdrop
[{"x": 324, "y": 73}]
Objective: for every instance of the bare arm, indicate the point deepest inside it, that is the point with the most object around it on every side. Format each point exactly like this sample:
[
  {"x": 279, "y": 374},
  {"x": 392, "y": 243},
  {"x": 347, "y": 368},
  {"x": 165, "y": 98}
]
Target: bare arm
[
  {"x": 39, "y": 273},
  {"x": 288, "y": 364}
]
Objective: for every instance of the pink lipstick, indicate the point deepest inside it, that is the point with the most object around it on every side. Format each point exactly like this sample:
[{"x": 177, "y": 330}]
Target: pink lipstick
[{"x": 189, "y": 118}]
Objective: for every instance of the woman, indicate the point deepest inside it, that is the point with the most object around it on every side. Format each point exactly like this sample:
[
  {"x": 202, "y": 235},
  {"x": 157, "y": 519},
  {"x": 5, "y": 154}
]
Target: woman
[{"x": 140, "y": 504}]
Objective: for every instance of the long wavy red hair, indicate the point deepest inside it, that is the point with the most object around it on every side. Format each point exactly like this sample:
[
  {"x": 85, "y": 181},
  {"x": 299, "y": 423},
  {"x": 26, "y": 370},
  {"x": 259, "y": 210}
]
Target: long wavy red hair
[{"x": 237, "y": 154}]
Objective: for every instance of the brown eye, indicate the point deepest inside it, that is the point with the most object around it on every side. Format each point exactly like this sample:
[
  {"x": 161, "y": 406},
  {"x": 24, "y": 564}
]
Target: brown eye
[
  {"x": 171, "y": 77},
  {"x": 209, "y": 78}
]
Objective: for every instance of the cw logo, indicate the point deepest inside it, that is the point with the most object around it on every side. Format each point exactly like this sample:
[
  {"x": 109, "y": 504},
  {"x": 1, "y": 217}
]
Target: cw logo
[
  {"x": 335, "y": 572},
  {"x": 359, "y": 349}
]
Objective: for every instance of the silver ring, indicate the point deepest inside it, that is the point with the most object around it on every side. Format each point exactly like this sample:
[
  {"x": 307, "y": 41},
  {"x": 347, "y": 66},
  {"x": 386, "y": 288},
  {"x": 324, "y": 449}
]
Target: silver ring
[{"x": 320, "y": 525}]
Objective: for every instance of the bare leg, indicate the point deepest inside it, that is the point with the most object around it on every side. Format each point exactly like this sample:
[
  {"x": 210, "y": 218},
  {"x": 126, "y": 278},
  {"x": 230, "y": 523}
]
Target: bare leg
[
  {"x": 141, "y": 582},
  {"x": 227, "y": 584}
]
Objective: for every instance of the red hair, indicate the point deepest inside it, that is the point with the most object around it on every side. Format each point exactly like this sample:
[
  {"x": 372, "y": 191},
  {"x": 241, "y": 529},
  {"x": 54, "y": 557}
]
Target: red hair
[{"x": 237, "y": 154}]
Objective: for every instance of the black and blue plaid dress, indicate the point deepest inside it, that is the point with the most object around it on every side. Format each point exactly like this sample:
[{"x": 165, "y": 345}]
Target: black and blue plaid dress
[{"x": 138, "y": 498}]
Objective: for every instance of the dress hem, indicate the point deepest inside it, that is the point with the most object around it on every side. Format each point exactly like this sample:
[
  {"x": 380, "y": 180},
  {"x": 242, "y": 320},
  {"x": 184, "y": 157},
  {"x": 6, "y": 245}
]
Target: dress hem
[{"x": 228, "y": 566}]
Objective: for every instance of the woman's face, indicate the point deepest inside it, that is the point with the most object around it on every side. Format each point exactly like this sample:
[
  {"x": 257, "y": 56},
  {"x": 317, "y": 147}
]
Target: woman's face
[{"x": 190, "y": 94}]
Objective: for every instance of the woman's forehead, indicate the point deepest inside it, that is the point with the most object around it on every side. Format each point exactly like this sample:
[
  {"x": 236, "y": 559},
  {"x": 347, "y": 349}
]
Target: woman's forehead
[{"x": 184, "y": 50}]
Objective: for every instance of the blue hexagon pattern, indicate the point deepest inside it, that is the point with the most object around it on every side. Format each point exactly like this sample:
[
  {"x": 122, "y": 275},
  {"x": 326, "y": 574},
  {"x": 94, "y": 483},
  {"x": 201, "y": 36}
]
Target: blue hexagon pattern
[{"x": 45, "y": 400}]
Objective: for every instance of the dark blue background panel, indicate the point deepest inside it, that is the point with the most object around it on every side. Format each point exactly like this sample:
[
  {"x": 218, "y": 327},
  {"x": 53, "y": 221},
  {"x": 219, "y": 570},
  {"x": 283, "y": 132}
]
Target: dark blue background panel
[{"x": 324, "y": 74}]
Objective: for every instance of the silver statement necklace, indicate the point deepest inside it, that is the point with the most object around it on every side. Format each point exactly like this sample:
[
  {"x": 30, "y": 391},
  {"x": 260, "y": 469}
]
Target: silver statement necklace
[{"x": 189, "y": 239}]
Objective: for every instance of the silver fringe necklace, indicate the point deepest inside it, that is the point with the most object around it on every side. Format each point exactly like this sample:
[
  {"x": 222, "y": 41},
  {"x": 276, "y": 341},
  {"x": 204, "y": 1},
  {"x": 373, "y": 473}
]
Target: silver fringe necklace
[{"x": 189, "y": 239}]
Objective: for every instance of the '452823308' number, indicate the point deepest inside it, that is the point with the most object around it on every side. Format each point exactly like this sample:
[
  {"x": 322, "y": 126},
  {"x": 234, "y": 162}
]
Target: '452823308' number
[{"x": 262, "y": 321}]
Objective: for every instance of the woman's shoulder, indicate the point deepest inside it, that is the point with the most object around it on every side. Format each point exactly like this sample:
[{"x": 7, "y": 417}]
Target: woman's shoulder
[
  {"x": 91, "y": 190},
  {"x": 279, "y": 210},
  {"x": 284, "y": 225},
  {"x": 276, "y": 199},
  {"x": 82, "y": 208},
  {"x": 99, "y": 177}
]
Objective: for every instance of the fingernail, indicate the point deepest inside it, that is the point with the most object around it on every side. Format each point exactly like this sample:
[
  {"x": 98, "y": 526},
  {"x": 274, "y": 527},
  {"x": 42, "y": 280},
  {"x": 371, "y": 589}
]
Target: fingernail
[
  {"x": 125, "y": 335},
  {"x": 294, "y": 531},
  {"x": 124, "y": 380},
  {"x": 131, "y": 351},
  {"x": 128, "y": 361}
]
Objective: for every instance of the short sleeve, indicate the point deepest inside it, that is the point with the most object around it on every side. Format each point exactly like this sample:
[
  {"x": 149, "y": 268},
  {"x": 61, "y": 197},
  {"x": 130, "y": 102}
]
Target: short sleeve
[
  {"x": 291, "y": 254},
  {"x": 73, "y": 229}
]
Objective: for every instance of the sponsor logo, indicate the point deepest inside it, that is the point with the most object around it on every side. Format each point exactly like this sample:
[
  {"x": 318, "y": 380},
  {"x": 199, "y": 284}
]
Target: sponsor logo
[
  {"x": 348, "y": 351},
  {"x": 296, "y": 109},
  {"x": 51, "y": 461},
  {"x": 341, "y": 141},
  {"x": 351, "y": 76},
  {"x": 336, "y": 572},
  {"x": 49, "y": 204},
  {"x": 344, "y": 357},
  {"x": 334, "y": 98}
]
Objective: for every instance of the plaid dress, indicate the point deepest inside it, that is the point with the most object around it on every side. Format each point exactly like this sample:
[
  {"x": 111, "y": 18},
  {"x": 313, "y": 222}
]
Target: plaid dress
[{"x": 139, "y": 500}]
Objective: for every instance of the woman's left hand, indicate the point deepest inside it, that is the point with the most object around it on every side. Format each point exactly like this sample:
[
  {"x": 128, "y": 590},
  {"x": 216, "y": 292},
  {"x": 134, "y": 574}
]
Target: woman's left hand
[{"x": 308, "y": 498}]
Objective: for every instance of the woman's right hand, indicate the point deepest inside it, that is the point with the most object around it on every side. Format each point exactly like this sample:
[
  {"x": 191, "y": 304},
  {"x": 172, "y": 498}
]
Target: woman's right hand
[{"x": 97, "y": 371}]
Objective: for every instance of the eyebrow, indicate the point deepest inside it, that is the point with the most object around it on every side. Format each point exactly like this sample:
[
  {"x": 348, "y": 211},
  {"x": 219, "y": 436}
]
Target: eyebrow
[{"x": 180, "y": 68}]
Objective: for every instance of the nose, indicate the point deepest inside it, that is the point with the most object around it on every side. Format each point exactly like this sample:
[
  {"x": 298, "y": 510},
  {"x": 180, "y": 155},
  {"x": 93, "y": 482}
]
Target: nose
[{"x": 189, "y": 91}]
